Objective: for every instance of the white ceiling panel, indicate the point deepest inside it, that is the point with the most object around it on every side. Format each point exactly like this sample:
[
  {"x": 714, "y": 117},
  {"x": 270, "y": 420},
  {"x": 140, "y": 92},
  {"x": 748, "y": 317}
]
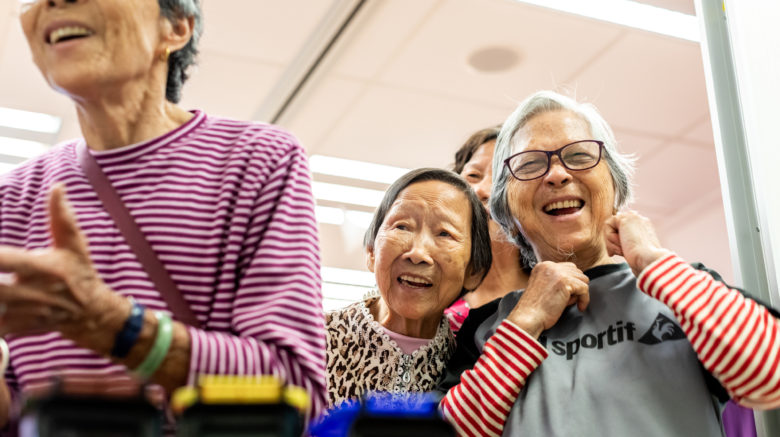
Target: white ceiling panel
[
  {"x": 678, "y": 175},
  {"x": 231, "y": 95},
  {"x": 647, "y": 83},
  {"x": 552, "y": 46},
  {"x": 406, "y": 128},
  {"x": 266, "y": 30},
  {"x": 381, "y": 29},
  {"x": 698, "y": 233},
  {"x": 319, "y": 110},
  {"x": 641, "y": 146},
  {"x": 701, "y": 133}
]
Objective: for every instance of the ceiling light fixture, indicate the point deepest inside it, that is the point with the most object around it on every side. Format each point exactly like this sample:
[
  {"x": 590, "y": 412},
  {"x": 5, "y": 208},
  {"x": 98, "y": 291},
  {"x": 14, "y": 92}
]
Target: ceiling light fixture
[
  {"x": 351, "y": 169},
  {"x": 347, "y": 194},
  {"x": 21, "y": 148},
  {"x": 358, "y": 278},
  {"x": 629, "y": 13},
  {"x": 328, "y": 215},
  {"x": 338, "y": 216},
  {"x": 31, "y": 121},
  {"x": 6, "y": 167}
]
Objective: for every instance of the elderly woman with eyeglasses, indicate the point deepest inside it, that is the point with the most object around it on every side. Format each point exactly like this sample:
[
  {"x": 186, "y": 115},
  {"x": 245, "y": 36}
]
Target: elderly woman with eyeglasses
[
  {"x": 592, "y": 346},
  {"x": 224, "y": 205}
]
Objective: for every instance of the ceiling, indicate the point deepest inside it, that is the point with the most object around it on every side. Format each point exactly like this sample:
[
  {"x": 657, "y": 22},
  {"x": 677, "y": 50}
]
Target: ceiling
[{"x": 397, "y": 89}]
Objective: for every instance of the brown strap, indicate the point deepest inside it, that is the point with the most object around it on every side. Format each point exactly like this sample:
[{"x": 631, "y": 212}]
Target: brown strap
[{"x": 134, "y": 237}]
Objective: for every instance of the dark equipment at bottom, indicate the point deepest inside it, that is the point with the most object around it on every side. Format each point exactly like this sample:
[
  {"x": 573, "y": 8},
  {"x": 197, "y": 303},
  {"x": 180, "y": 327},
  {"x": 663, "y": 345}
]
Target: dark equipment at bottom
[
  {"x": 237, "y": 420},
  {"x": 72, "y": 415}
]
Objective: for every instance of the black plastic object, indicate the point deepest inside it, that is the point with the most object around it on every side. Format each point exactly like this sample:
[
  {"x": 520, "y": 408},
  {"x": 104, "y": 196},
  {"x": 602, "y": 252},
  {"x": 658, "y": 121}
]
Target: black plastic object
[
  {"x": 240, "y": 420},
  {"x": 63, "y": 415}
]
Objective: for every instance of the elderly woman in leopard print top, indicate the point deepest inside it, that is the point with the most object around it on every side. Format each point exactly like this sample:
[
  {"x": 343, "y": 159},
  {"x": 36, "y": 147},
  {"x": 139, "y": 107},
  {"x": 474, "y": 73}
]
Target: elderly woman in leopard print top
[{"x": 428, "y": 243}]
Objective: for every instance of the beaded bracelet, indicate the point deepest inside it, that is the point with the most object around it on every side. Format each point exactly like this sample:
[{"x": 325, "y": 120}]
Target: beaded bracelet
[
  {"x": 162, "y": 343},
  {"x": 128, "y": 336},
  {"x": 5, "y": 358}
]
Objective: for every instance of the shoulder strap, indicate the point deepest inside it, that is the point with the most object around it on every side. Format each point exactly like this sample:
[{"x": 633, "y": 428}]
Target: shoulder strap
[{"x": 134, "y": 237}]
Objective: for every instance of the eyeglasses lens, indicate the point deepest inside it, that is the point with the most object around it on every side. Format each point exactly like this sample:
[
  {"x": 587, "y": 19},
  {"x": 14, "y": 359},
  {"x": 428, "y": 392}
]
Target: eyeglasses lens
[{"x": 581, "y": 155}]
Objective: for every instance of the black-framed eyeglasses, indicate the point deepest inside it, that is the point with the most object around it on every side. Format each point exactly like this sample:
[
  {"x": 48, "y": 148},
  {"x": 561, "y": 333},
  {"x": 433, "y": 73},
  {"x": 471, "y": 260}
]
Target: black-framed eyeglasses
[{"x": 532, "y": 164}]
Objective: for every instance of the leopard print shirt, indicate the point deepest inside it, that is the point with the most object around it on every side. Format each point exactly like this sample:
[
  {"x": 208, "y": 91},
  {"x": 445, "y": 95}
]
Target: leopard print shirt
[{"x": 362, "y": 357}]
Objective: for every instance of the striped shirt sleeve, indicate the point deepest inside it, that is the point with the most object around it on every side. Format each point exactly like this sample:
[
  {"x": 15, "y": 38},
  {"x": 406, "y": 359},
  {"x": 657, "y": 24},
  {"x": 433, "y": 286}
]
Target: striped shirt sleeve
[
  {"x": 276, "y": 323},
  {"x": 736, "y": 339},
  {"x": 480, "y": 403}
]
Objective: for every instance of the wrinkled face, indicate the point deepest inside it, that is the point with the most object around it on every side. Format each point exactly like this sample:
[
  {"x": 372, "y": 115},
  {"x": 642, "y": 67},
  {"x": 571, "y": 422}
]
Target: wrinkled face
[
  {"x": 562, "y": 212},
  {"x": 422, "y": 250},
  {"x": 478, "y": 172},
  {"x": 80, "y": 44}
]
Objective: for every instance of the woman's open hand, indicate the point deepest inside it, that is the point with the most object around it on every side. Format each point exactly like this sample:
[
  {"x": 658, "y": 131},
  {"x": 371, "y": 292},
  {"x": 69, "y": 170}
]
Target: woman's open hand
[
  {"x": 58, "y": 289},
  {"x": 551, "y": 288},
  {"x": 632, "y": 236}
]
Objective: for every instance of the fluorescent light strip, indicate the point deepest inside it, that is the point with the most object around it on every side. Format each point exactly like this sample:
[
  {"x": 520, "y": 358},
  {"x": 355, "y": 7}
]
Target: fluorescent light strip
[
  {"x": 32, "y": 121},
  {"x": 347, "y": 293},
  {"x": 337, "y": 216},
  {"x": 358, "y": 278},
  {"x": 360, "y": 218},
  {"x": 629, "y": 13},
  {"x": 21, "y": 148},
  {"x": 348, "y": 168},
  {"x": 328, "y": 215},
  {"x": 6, "y": 167},
  {"x": 347, "y": 194}
]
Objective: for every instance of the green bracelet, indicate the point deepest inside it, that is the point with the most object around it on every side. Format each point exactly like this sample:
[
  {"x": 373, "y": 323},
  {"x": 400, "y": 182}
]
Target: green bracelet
[{"x": 162, "y": 343}]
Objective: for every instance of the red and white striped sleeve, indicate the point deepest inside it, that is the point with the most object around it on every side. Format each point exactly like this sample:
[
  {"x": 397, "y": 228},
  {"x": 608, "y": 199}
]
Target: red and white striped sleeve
[
  {"x": 480, "y": 403},
  {"x": 736, "y": 339}
]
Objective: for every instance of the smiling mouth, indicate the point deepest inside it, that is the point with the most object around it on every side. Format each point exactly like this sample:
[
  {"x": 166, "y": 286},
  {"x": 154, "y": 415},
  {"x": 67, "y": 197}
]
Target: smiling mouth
[
  {"x": 67, "y": 33},
  {"x": 563, "y": 207},
  {"x": 414, "y": 281}
]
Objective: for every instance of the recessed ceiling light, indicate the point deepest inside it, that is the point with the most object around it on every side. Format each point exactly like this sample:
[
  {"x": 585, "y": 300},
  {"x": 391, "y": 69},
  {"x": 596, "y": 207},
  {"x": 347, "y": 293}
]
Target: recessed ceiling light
[
  {"x": 351, "y": 169},
  {"x": 629, "y": 13},
  {"x": 493, "y": 59}
]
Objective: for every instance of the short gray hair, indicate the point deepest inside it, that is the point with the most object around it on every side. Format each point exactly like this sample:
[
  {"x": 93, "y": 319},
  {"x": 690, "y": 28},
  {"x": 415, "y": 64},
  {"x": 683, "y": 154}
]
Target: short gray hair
[
  {"x": 621, "y": 166},
  {"x": 180, "y": 60}
]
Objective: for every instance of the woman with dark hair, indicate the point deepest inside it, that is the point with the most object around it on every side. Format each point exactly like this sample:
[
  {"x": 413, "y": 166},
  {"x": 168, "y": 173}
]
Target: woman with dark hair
[
  {"x": 224, "y": 206},
  {"x": 510, "y": 269},
  {"x": 427, "y": 244}
]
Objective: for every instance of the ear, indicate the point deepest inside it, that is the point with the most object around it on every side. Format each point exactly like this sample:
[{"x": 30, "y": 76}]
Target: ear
[
  {"x": 472, "y": 280},
  {"x": 370, "y": 260},
  {"x": 177, "y": 33}
]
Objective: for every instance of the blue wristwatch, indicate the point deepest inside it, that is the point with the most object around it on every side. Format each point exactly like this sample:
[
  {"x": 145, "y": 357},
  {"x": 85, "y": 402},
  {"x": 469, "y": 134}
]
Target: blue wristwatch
[{"x": 128, "y": 336}]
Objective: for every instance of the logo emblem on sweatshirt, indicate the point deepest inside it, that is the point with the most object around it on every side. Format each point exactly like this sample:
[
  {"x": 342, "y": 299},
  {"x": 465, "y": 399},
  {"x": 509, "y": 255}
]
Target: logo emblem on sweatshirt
[{"x": 662, "y": 329}]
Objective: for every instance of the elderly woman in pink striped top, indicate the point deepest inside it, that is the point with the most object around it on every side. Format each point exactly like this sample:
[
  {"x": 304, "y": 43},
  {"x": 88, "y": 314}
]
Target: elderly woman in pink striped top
[{"x": 224, "y": 205}]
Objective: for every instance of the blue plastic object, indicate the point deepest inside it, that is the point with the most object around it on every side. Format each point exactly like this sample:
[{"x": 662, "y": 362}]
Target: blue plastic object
[{"x": 381, "y": 405}]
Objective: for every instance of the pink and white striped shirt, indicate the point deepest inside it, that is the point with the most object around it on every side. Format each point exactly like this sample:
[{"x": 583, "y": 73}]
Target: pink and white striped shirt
[{"x": 227, "y": 207}]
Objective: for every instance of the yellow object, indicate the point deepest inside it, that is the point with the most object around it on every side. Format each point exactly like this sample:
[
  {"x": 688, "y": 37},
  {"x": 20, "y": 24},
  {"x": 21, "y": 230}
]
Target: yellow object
[
  {"x": 232, "y": 389},
  {"x": 297, "y": 397},
  {"x": 220, "y": 389},
  {"x": 183, "y": 398}
]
